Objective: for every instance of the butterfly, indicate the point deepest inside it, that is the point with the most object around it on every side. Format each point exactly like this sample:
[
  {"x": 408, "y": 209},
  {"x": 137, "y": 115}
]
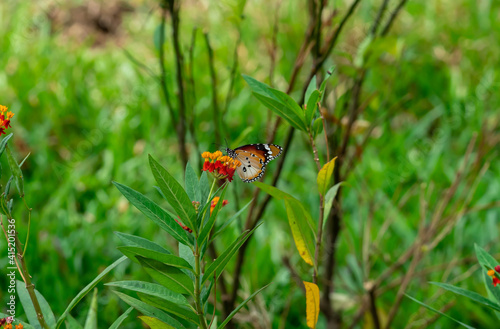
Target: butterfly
[{"x": 254, "y": 159}]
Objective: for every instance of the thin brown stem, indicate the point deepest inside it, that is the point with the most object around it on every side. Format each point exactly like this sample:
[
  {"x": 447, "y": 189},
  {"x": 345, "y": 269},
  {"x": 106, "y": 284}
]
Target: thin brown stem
[
  {"x": 213, "y": 77},
  {"x": 174, "y": 8}
]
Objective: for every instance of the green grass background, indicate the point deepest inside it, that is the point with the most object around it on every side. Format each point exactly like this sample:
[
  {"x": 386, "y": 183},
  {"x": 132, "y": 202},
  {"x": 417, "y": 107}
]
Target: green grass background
[{"x": 89, "y": 115}]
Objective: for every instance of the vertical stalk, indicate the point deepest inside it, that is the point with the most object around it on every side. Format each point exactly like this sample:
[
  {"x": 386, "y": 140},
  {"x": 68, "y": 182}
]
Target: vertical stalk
[
  {"x": 23, "y": 269},
  {"x": 197, "y": 288}
]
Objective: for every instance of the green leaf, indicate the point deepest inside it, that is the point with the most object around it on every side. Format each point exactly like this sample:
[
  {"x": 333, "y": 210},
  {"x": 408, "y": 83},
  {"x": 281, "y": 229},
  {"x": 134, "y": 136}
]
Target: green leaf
[
  {"x": 121, "y": 318},
  {"x": 204, "y": 188},
  {"x": 71, "y": 323},
  {"x": 168, "y": 276},
  {"x": 486, "y": 260},
  {"x": 323, "y": 84},
  {"x": 29, "y": 309},
  {"x": 312, "y": 105},
  {"x": 187, "y": 254},
  {"x": 168, "y": 259},
  {"x": 157, "y": 38},
  {"x": 282, "y": 110},
  {"x": 91, "y": 321},
  {"x": 330, "y": 195},
  {"x": 3, "y": 143},
  {"x": 172, "y": 308},
  {"x": 156, "y": 214},
  {"x": 278, "y": 102},
  {"x": 174, "y": 193},
  {"x": 16, "y": 172},
  {"x": 469, "y": 294},
  {"x": 151, "y": 289},
  {"x": 85, "y": 290},
  {"x": 220, "y": 263},
  {"x": 207, "y": 228},
  {"x": 202, "y": 210},
  {"x": 300, "y": 221},
  {"x": 310, "y": 88},
  {"x": 301, "y": 232},
  {"x": 205, "y": 292},
  {"x": 230, "y": 220},
  {"x": 192, "y": 184},
  {"x": 137, "y": 241},
  {"x": 149, "y": 310},
  {"x": 317, "y": 127},
  {"x": 236, "y": 310},
  {"x": 325, "y": 176},
  {"x": 443, "y": 314},
  {"x": 272, "y": 191},
  {"x": 154, "y": 323}
]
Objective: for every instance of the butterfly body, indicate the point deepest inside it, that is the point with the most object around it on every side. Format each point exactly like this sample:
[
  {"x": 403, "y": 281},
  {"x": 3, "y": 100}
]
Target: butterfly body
[{"x": 254, "y": 159}]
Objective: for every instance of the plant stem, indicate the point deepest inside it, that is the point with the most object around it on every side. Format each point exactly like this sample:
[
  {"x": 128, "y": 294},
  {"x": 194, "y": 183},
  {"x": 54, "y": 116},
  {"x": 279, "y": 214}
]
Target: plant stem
[
  {"x": 321, "y": 213},
  {"x": 23, "y": 269},
  {"x": 197, "y": 288}
]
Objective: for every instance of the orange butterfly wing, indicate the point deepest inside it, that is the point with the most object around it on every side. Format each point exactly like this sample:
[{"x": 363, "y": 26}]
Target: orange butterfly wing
[{"x": 254, "y": 158}]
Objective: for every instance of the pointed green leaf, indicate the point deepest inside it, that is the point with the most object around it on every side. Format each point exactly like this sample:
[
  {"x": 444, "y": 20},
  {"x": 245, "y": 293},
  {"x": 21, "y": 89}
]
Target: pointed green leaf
[
  {"x": 149, "y": 310},
  {"x": 121, "y": 318},
  {"x": 16, "y": 171},
  {"x": 469, "y": 294},
  {"x": 85, "y": 290},
  {"x": 168, "y": 259},
  {"x": 154, "y": 323},
  {"x": 168, "y": 276},
  {"x": 192, "y": 184},
  {"x": 325, "y": 176},
  {"x": 317, "y": 127},
  {"x": 174, "y": 193},
  {"x": 237, "y": 309},
  {"x": 230, "y": 220},
  {"x": 301, "y": 232},
  {"x": 156, "y": 214},
  {"x": 330, "y": 195},
  {"x": 220, "y": 263},
  {"x": 71, "y": 323},
  {"x": 172, "y": 308},
  {"x": 151, "y": 289},
  {"x": 485, "y": 259},
  {"x": 323, "y": 84},
  {"x": 137, "y": 241},
  {"x": 205, "y": 231},
  {"x": 310, "y": 88},
  {"x": 312, "y": 105},
  {"x": 3, "y": 143},
  {"x": 205, "y": 292},
  {"x": 272, "y": 191},
  {"x": 91, "y": 321},
  {"x": 282, "y": 110},
  {"x": 204, "y": 188},
  {"x": 443, "y": 314},
  {"x": 25, "y": 299}
]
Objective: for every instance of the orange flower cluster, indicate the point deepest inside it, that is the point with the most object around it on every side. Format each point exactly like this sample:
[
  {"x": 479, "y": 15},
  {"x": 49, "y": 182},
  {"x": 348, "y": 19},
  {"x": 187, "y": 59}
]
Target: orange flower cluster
[
  {"x": 221, "y": 166},
  {"x": 4, "y": 119},
  {"x": 493, "y": 274},
  {"x": 8, "y": 324},
  {"x": 215, "y": 200}
]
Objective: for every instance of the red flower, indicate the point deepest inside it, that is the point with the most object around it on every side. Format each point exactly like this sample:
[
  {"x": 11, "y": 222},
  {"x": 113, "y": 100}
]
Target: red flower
[
  {"x": 223, "y": 167},
  {"x": 4, "y": 123},
  {"x": 497, "y": 268},
  {"x": 496, "y": 281}
]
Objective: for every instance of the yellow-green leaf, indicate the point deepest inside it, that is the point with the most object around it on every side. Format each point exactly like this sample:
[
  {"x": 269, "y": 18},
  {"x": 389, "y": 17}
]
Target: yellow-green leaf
[
  {"x": 325, "y": 175},
  {"x": 312, "y": 304},
  {"x": 154, "y": 323},
  {"x": 300, "y": 231}
]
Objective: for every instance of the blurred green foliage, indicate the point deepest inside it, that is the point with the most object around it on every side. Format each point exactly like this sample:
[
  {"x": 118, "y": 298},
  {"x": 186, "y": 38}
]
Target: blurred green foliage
[{"x": 89, "y": 115}]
